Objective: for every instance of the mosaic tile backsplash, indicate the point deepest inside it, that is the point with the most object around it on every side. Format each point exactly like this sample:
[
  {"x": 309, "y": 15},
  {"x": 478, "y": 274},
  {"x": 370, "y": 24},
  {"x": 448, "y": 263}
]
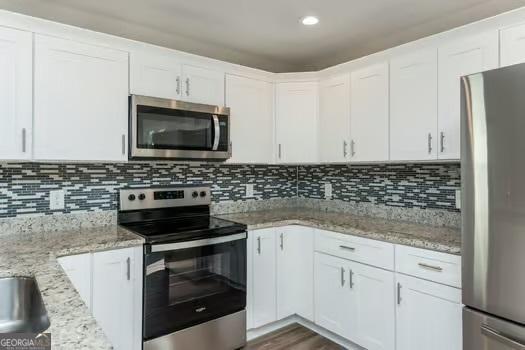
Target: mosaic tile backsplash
[
  {"x": 25, "y": 187},
  {"x": 425, "y": 186}
]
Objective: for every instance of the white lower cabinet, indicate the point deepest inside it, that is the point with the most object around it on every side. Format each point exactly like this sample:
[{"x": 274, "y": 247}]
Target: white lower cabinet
[
  {"x": 110, "y": 282},
  {"x": 264, "y": 299},
  {"x": 428, "y": 315}
]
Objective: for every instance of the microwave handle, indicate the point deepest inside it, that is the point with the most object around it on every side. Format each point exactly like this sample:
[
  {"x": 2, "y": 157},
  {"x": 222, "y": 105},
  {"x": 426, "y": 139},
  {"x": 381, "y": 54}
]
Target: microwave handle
[{"x": 217, "y": 132}]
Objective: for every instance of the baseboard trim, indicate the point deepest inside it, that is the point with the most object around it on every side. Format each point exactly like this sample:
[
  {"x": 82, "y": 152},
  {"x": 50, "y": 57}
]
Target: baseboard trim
[{"x": 271, "y": 327}]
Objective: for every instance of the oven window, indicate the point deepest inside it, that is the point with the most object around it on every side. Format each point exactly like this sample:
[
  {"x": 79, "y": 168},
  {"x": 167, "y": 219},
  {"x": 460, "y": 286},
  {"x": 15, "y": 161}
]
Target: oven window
[
  {"x": 194, "y": 285},
  {"x": 161, "y": 128}
]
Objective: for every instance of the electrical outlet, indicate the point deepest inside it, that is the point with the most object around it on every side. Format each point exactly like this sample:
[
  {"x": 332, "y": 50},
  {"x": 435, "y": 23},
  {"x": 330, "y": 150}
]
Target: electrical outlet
[
  {"x": 328, "y": 191},
  {"x": 249, "y": 190},
  {"x": 458, "y": 199},
  {"x": 56, "y": 200}
]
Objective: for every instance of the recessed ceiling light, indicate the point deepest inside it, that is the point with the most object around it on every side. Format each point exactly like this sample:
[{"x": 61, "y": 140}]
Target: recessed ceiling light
[{"x": 310, "y": 20}]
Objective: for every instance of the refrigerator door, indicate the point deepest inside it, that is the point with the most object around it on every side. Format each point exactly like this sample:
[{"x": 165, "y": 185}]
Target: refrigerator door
[
  {"x": 483, "y": 332},
  {"x": 493, "y": 192}
]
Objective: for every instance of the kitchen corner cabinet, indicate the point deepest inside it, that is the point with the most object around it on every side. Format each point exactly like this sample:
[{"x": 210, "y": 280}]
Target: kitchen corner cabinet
[
  {"x": 334, "y": 119},
  {"x": 296, "y": 122},
  {"x": 80, "y": 101},
  {"x": 428, "y": 315},
  {"x": 162, "y": 75},
  {"x": 78, "y": 270},
  {"x": 512, "y": 45},
  {"x": 295, "y": 245},
  {"x": 16, "y": 66},
  {"x": 458, "y": 58},
  {"x": 369, "y": 119},
  {"x": 251, "y": 107},
  {"x": 413, "y": 106},
  {"x": 263, "y": 296}
]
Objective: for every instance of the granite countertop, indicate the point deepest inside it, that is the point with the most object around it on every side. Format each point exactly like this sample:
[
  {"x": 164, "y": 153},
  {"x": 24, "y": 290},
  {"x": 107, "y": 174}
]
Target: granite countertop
[
  {"x": 442, "y": 239},
  {"x": 35, "y": 254}
]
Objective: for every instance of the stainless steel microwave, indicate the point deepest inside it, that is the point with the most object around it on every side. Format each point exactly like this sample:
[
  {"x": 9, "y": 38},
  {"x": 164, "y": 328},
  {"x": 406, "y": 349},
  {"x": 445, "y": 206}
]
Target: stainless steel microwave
[{"x": 169, "y": 129}]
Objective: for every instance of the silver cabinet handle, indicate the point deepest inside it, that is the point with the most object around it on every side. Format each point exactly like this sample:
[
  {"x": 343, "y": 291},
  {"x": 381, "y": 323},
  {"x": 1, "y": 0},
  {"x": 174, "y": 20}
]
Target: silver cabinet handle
[
  {"x": 430, "y": 267},
  {"x": 24, "y": 137},
  {"x": 259, "y": 245},
  {"x": 123, "y": 144},
  {"x": 128, "y": 273},
  {"x": 342, "y": 276},
  {"x": 178, "y": 86},
  {"x": 345, "y": 145},
  {"x": 398, "y": 293},
  {"x": 280, "y": 151},
  {"x": 345, "y": 247},
  {"x": 352, "y": 148},
  {"x": 351, "y": 280},
  {"x": 187, "y": 86},
  {"x": 429, "y": 143},
  {"x": 442, "y": 141},
  {"x": 282, "y": 241},
  {"x": 501, "y": 337}
]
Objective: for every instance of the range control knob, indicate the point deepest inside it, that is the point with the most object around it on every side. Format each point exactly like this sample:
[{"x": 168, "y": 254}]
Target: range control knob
[
  {"x": 142, "y": 196},
  {"x": 195, "y": 194},
  {"x": 131, "y": 197},
  {"x": 203, "y": 194}
]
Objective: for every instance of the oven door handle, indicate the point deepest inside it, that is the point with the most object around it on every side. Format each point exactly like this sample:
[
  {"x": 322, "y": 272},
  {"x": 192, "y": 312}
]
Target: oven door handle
[
  {"x": 217, "y": 132},
  {"x": 197, "y": 243}
]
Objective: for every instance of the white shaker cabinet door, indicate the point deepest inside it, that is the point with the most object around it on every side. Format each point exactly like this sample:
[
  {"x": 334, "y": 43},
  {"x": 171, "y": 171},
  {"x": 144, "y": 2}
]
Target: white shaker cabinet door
[
  {"x": 512, "y": 45},
  {"x": 155, "y": 74},
  {"x": 334, "y": 119},
  {"x": 296, "y": 122},
  {"x": 373, "y": 306},
  {"x": 16, "y": 96},
  {"x": 295, "y": 246},
  {"x": 264, "y": 302},
  {"x": 369, "y": 114},
  {"x": 462, "y": 57},
  {"x": 202, "y": 85},
  {"x": 251, "y": 119},
  {"x": 78, "y": 269},
  {"x": 81, "y": 101},
  {"x": 428, "y": 315},
  {"x": 413, "y": 106}
]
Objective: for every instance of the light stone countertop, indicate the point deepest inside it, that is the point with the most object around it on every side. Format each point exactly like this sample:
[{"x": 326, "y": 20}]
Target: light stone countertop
[
  {"x": 35, "y": 254},
  {"x": 442, "y": 239}
]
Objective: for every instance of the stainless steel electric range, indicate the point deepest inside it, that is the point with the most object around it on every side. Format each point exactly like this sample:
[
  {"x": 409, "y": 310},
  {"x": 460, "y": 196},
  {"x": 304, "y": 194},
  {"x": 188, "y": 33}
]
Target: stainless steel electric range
[{"x": 194, "y": 277}]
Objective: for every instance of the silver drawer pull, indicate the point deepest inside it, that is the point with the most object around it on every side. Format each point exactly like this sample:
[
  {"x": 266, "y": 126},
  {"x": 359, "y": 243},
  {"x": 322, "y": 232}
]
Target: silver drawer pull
[
  {"x": 430, "y": 267},
  {"x": 502, "y": 338},
  {"x": 352, "y": 249}
]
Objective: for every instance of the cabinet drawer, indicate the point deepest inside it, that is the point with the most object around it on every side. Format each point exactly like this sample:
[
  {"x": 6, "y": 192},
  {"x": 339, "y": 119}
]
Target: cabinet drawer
[
  {"x": 433, "y": 266},
  {"x": 366, "y": 251}
]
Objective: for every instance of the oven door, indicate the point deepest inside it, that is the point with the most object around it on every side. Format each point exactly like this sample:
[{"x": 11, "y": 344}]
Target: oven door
[
  {"x": 162, "y": 128},
  {"x": 188, "y": 283}
]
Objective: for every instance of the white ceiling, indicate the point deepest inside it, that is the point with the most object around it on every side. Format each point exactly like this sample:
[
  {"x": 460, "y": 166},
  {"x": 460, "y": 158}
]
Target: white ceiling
[{"x": 268, "y": 34}]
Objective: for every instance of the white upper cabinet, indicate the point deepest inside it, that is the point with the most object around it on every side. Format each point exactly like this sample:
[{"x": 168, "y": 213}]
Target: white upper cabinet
[
  {"x": 157, "y": 75},
  {"x": 369, "y": 113},
  {"x": 512, "y": 45},
  {"x": 15, "y": 93},
  {"x": 202, "y": 85},
  {"x": 251, "y": 108},
  {"x": 413, "y": 106},
  {"x": 81, "y": 101},
  {"x": 462, "y": 57},
  {"x": 296, "y": 122},
  {"x": 295, "y": 246},
  {"x": 334, "y": 119}
]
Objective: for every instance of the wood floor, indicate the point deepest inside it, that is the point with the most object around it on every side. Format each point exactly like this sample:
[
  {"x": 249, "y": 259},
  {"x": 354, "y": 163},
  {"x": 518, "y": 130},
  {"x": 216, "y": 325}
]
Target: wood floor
[{"x": 292, "y": 337}]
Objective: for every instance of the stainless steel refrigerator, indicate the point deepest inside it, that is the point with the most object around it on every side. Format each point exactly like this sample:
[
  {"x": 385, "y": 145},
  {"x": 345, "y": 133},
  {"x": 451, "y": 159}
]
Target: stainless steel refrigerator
[{"x": 493, "y": 209}]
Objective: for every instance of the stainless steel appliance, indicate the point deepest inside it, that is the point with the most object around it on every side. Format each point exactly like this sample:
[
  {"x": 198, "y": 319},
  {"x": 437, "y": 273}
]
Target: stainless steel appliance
[
  {"x": 194, "y": 269},
  {"x": 162, "y": 128},
  {"x": 493, "y": 209}
]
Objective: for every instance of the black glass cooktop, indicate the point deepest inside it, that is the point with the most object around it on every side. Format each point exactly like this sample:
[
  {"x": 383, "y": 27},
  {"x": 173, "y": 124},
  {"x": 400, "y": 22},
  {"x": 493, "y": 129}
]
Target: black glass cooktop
[{"x": 184, "y": 228}]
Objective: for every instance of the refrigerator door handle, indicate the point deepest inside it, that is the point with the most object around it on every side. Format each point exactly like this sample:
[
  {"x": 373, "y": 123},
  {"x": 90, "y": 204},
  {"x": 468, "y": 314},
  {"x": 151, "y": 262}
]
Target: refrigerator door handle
[{"x": 501, "y": 338}]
